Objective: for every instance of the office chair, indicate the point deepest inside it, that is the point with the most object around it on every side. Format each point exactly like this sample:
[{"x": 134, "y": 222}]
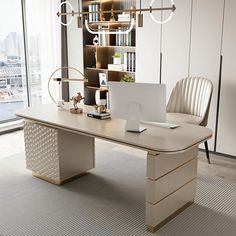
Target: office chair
[{"x": 189, "y": 102}]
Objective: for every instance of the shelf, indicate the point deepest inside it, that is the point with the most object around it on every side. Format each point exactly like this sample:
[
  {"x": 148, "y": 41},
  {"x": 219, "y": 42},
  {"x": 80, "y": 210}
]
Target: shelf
[
  {"x": 109, "y": 23},
  {"x": 110, "y": 46},
  {"x": 93, "y": 68},
  {"x": 120, "y": 71},
  {"x": 97, "y": 88}
]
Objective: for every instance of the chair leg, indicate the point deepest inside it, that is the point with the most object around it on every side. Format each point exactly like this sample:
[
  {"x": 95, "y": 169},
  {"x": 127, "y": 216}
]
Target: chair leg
[{"x": 207, "y": 152}]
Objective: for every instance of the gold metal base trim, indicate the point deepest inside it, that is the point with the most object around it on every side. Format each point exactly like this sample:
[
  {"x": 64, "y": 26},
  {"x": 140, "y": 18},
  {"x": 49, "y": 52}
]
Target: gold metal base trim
[
  {"x": 57, "y": 182},
  {"x": 153, "y": 229}
]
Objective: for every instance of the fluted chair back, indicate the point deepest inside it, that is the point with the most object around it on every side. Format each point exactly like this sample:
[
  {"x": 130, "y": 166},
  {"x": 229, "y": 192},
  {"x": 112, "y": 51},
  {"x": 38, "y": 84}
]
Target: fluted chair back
[{"x": 192, "y": 95}]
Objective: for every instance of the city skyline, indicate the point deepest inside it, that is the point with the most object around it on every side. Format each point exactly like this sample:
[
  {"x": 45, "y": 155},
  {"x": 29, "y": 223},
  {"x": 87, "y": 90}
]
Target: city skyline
[{"x": 12, "y": 45}]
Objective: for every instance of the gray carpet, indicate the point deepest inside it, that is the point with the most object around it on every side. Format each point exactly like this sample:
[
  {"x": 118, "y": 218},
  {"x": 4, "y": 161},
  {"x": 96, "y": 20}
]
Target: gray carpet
[{"x": 109, "y": 201}]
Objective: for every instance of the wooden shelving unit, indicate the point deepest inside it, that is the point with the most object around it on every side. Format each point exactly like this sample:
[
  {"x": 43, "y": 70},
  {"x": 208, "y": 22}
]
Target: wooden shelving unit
[{"x": 97, "y": 57}]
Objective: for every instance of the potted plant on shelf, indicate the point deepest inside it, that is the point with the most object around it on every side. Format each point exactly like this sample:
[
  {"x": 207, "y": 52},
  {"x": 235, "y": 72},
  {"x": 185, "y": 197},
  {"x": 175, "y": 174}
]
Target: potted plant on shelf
[
  {"x": 127, "y": 78},
  {"x": 117, "y": 59}
]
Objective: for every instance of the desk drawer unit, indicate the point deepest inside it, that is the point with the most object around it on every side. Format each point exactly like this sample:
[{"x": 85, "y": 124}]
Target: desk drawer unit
[
  {"x": 57, "y": 155},
  {"x": 171, "y": 185}
]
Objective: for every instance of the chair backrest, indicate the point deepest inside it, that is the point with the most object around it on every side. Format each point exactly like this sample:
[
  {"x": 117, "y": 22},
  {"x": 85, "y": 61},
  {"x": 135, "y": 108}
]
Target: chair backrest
[{"x": 192, "y": 96}]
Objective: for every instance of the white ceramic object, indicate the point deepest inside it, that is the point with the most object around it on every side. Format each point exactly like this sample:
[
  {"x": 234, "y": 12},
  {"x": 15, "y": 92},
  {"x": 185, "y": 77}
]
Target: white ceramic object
[{"x": 117, "y": 60}]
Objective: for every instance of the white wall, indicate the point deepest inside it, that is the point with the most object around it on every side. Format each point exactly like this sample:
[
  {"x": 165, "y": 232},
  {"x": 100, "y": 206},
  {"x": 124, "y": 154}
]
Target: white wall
[
  {"x": 175, "y": 45},
  {"x": 207, "y": 17},
  {"x": 227, "y": 115},
  {"x": 148, "y": 48}
]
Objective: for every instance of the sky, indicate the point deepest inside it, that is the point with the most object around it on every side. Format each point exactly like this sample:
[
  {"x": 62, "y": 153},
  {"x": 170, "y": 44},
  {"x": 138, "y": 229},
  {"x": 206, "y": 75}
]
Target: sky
[{"x": 11, "y": 18}]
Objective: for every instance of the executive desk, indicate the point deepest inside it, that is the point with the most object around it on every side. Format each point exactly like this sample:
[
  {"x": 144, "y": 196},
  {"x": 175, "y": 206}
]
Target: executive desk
[{"x": 60, "y": 145}]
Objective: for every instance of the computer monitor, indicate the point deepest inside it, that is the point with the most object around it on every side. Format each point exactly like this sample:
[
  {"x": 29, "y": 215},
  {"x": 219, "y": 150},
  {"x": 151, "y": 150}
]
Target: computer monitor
[{"x": 137, "y": 102}]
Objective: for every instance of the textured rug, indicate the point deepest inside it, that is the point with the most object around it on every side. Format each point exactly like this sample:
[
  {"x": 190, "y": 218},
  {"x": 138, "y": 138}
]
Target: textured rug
[{"x": 108, "y": 201}]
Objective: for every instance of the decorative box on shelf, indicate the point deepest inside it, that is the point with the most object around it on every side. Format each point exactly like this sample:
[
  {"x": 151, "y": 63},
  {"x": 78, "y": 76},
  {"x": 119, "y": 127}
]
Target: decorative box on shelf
[
  {"x": 118, "y": 67},
  {"x": 124, "y": 17}
]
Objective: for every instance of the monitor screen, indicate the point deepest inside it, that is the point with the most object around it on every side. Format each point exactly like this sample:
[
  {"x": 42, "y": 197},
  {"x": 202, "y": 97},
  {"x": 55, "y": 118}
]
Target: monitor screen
[{"x": 151, "y": 100}]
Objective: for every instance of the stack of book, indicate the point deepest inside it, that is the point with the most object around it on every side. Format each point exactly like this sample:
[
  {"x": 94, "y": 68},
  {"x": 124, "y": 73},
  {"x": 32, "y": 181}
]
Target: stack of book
[
  {"x": 101, "y": 116},
  {"x": 123, "y": 39},
  {"x": 123, "y": 17},
  {"x": 103, "y": 39},
  {"x": 129, "y": 61},
  {"x": 94, "y": 7}
]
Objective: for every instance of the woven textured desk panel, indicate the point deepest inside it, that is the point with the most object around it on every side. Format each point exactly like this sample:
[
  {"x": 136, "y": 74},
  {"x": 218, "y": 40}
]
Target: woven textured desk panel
[
  {"x": 42, "y": 146},
  {"x": 107, "y": 202}
]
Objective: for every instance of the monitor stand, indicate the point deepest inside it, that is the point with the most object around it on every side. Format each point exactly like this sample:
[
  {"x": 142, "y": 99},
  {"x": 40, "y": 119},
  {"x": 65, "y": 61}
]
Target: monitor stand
[
  {"x": 140, "y": 129},
  {"x": 133, "y": 120}
]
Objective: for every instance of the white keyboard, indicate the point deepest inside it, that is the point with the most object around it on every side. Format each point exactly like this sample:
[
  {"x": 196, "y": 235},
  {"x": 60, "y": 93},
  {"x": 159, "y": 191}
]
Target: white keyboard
[{"x": 164, "y": 125}]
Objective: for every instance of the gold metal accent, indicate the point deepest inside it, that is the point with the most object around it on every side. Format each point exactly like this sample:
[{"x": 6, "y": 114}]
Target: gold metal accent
[
  {"x": 153, "y": 229},
  {"x": 63, "y": 79},
  {"x": 69, "y": 79},
  {"x": 131, "y": 11},
  {"x": 58, "y": 182},
  {"x": 79, "y": 22},
  {"x": 140, "y": 20}
]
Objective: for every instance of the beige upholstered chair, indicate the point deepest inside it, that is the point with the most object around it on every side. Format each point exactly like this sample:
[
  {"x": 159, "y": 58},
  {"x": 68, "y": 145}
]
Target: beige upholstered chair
[{"x": 190, "y": 103}]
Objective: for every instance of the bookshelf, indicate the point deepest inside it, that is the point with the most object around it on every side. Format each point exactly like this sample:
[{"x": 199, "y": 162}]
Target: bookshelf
[{"x": 98, "y": 59}]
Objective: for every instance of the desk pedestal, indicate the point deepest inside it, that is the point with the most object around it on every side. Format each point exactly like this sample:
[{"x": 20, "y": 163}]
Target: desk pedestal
[
  {"x": 171, "y": 186},
  {"x": 55, "y": 155}
]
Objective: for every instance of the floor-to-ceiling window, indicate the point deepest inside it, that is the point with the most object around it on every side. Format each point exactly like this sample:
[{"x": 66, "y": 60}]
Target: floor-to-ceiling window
[
  {"x": 13, "y": 92},
  {"x": 44, "y": 45},
  {"x": 42, "y": 36}
]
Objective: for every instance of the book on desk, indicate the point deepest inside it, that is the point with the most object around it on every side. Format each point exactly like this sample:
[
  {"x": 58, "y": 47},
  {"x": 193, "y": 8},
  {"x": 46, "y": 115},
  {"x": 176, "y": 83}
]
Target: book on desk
[{"x": 101, "y": 116}]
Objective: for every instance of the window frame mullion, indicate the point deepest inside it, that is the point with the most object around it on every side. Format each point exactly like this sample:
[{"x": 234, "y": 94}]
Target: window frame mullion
[{"x": 26, "y": 52}]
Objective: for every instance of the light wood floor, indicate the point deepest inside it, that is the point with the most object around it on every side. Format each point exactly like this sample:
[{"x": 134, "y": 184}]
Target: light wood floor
[{"x": 220, "y": 166}]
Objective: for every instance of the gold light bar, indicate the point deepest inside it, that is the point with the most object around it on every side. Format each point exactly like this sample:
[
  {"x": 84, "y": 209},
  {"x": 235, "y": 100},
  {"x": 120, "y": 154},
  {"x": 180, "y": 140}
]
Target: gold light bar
[{"x": 69, "y": 80}]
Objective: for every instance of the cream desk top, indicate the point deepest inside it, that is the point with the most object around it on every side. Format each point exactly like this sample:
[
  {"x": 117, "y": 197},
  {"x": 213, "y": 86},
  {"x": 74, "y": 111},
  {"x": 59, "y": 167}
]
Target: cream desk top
[{"x": 154, "y": 139}]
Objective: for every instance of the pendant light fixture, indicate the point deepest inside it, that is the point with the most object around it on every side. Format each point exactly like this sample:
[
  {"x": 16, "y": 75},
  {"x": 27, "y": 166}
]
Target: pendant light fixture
[
  {"x": 165, "y": 21},
  {"x": 60, "y": 14},
  {"x": 132, "y": 23},
  {"x": 140, "y": 15},
  {"x": 131, "y": 11}
]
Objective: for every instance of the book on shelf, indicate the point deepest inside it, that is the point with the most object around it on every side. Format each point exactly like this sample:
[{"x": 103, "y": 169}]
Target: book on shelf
[
  {"x": 118, "y": 67},
  {"x": 101, "y": 116},
  {"x": 123, "y": 39},
  {"x": 90, "y": 10},
  {"x": 129, "y": 61},
  {"x": 94, "y": 7},
  {"x": 103, "y": 39}
]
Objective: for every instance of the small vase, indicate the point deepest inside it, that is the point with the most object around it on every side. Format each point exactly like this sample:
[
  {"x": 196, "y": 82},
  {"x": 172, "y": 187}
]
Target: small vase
[{"x": 116, "y": 60}]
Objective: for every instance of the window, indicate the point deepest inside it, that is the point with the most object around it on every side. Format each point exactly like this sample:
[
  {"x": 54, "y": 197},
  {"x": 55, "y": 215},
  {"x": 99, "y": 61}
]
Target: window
[
  {"x": 13, "y": 92},
  {"x": 43, "y": 53}
]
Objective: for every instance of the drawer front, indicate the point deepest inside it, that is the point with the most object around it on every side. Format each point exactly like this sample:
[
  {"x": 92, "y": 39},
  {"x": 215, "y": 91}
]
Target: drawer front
[
  {"x": 156, "y": 214},
  {"x": 164, "y": 186},
  {"x": 162, "y": 164}
]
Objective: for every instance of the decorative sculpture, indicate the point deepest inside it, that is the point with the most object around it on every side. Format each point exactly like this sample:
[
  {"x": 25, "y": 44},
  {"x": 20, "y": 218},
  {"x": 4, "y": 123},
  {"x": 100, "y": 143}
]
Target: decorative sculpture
[
  {"x": 100, "y": 109},
  {"x": 76, "y": 99}
]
